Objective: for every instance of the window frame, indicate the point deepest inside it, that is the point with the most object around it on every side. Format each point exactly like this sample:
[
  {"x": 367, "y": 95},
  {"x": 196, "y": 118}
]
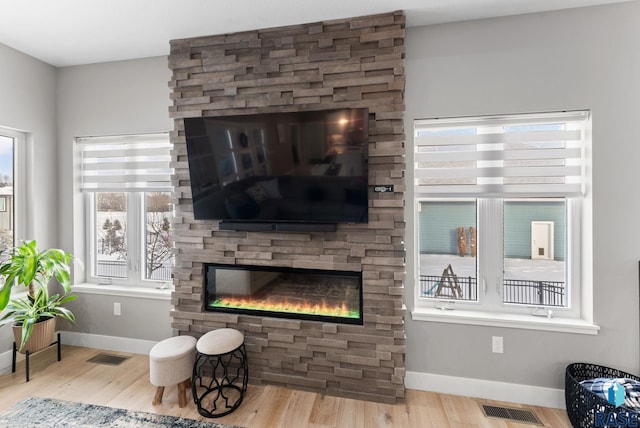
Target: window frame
[
  {"x": 18, "y": 207},
  {"x": 136, "y": 244},
  {"x": 135, "y": 170},
  {"x": 144, "y": 245},
  {"x": 19, "y": 204},
  {"x": 490, "y": 252},
  {"x": 576, "y": 317}
]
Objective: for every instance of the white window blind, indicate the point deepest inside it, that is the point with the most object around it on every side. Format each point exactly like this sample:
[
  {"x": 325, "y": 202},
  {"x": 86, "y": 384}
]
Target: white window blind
[
  {"x": 128, "y": 163},
  {"x": 525, "y": 155}
]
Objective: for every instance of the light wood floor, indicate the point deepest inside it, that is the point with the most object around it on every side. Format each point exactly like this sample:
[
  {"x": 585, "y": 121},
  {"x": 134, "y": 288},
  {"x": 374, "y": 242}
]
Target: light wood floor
[{"x": 127, "y": 386}]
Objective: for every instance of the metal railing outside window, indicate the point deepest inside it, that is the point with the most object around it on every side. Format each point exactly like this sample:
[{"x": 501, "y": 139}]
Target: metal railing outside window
[
  {"x": 429, "y": 285},
  {"x": 526, "y": 292},
  {"x": 118, "y": 269},
  {"x": 545, "y": 293}
]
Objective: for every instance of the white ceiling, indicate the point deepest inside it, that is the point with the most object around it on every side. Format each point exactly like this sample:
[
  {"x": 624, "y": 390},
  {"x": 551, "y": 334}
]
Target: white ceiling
[{"x": 72, "y": 32}]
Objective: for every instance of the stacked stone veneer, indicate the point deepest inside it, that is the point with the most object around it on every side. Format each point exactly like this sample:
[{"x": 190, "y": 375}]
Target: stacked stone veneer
[{"x": 355, "y": 62}]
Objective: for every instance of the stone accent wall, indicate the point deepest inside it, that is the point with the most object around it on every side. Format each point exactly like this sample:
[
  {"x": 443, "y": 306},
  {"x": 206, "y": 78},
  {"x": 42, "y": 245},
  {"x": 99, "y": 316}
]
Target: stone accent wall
[{"x": 355, "y": 62}]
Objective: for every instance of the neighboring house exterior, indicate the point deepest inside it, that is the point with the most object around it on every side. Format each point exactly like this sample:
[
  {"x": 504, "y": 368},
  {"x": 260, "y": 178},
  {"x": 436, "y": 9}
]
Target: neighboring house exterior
[
  {"x": 439, "y": 221},
  {"x": 6, "y": 208}
]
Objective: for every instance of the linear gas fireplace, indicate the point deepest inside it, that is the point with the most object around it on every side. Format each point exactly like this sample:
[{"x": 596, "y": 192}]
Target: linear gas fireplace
[{"x": 310, "y": 294}]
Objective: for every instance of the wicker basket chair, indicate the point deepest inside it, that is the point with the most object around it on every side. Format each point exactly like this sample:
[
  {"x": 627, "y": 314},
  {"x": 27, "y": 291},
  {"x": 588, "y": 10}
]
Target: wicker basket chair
[{"x": 582, "y": 404}]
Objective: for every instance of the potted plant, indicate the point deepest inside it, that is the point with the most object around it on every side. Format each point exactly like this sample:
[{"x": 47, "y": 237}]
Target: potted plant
[
  {"x": 27, "y": 266},
  {"x": 33, "y": 319}
]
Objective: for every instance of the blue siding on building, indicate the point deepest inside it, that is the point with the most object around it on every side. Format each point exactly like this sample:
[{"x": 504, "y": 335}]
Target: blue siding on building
[
  {"x": 440, "y": 219},
  {"x": 517, "y": 226},
  {"x": 438, "y": 235}
]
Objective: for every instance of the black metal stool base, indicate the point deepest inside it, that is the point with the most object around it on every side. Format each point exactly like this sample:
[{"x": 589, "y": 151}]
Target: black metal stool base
[{"x": 219, "y": 382}]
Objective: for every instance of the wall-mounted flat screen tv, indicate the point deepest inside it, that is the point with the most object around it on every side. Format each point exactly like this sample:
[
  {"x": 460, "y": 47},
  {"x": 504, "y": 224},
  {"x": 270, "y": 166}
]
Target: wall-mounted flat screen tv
[{"x": 300, "y": 167}]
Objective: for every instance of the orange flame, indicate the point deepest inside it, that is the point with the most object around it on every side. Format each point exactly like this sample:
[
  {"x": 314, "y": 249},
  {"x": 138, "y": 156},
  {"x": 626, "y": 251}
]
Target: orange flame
[{"x": 285, "y": 305}]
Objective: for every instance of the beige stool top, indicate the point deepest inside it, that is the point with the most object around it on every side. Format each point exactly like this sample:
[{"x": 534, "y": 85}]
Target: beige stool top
[
  {"x": 172, "y": 348},
  {"x": 220, "y": 341}
]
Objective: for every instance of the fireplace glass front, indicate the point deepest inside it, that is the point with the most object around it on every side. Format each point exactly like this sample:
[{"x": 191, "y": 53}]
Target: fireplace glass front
[{"x": 309, "y": 294}]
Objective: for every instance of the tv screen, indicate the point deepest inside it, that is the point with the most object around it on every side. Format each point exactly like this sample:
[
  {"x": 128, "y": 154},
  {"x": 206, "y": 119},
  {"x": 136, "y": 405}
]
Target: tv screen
[{"x": 306, "y": 167}]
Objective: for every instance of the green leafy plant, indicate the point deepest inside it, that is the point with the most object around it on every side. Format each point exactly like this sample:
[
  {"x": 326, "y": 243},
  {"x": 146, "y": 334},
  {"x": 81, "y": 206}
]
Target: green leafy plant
[
  {"x": 29, "y": 267},
  {"x": 26, "y": 265},
  {"x": 27, "y": 311}
]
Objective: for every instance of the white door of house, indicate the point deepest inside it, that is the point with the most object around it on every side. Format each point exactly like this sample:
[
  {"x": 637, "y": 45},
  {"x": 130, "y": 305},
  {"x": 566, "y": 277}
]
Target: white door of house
[{"x": 542, "y": 240}]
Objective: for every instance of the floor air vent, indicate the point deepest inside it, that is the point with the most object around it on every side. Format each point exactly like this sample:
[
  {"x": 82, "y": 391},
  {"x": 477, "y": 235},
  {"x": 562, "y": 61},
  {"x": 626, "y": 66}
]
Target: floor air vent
[
  {"x": 511, "y": 414},
  {"x": 111, "y": 360}
]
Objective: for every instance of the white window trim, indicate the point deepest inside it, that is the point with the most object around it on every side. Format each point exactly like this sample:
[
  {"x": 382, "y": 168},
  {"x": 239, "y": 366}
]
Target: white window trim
[
  {"x": 135, "y": 247},
  {"x": 20, "y": 181},
  {"x": 19, "y": 213},
  {"x": 158, "y": 180},
  {"x": 579, "y": 322},
  {"x": 157, "y": 293},
  {"x": 490, "y": 282},
  {"x": 508, "y": 320}
]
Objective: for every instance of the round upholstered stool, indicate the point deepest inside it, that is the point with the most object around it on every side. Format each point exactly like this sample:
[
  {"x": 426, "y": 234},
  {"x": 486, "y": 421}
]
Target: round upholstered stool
[
  {"x": 220, "y": 373},
  {"x": 171, "y": 363}
]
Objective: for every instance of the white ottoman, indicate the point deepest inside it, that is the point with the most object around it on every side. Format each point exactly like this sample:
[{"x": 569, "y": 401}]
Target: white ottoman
[{"x": 171, "y": 363}]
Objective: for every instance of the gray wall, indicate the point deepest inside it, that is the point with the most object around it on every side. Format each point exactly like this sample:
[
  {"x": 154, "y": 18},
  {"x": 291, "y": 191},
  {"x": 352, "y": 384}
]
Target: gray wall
[
  {"x": 113, "y": 98},
  {"x": 142, "y": 317},
  {"x": 27, "y": 104},
  {"x": 573, "y": 59}
]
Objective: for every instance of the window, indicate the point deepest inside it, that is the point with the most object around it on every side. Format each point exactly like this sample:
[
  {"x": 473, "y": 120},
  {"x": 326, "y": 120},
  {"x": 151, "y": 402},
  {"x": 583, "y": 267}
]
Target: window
[
  {"x": 128, "y": 196},
  {"x": 499, "y": 212},
  {"x": 11, "y": 170}
]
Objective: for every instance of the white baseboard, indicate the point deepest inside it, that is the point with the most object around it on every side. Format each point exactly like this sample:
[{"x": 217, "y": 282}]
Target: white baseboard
[
  {"x": 5, "y": 362},
  {"x": 487, "y": 389},
  {"x": 107, "y": 343},
  {"x": 87, "y": 340},
  {"x": 491, "y": 390}
]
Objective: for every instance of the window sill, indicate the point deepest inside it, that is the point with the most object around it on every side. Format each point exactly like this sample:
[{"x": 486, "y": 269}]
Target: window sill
[
  {"x": 121, "y": 290},
  {"x": 492, "y": 319}
]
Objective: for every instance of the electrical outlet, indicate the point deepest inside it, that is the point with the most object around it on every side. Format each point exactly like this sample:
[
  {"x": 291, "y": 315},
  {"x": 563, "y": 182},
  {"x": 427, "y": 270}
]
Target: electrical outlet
[
  {"x": 117, "y": 309},
  {"x": 497, "y": 344}
]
